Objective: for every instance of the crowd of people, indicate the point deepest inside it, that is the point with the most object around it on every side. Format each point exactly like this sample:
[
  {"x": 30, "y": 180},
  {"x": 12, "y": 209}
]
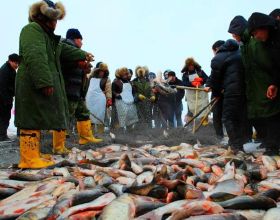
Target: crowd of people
[{"x": 56, "y": 86}]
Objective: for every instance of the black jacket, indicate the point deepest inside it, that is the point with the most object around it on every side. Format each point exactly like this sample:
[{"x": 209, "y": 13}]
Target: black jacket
[
  {"x": 73, "y": 77},
  {"x": 227, "y": 73},
  {"x": 180, "y": 92},
  {"x": 7, "y": 83},
  {"x": 199, "y": 72}
]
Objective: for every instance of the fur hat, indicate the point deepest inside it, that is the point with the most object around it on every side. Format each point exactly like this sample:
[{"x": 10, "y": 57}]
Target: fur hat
[
  {"x": 121, "y": 72},
  {"x": 73, "y": 33},
  {"x": 46, "y": 9},
  {"x": 100, "y": 66},
  {"x": 190, "y": 61}
]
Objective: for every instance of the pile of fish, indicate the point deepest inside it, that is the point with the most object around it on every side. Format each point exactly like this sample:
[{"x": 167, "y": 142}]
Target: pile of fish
[{"x": 149, "y": 182}]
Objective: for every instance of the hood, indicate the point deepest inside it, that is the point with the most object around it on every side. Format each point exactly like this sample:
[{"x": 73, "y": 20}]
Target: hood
[
  {"x": 238, "y": 25},
  {"x": 229, "y": 45},
  {"x": 260, "y": 20}
]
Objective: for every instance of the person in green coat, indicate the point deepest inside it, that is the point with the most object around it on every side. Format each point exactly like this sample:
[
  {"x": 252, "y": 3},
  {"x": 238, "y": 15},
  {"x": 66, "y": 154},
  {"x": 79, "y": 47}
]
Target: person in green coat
[
  {"x": 40, "y": 99},
  {"x": 261, "y": 77}
]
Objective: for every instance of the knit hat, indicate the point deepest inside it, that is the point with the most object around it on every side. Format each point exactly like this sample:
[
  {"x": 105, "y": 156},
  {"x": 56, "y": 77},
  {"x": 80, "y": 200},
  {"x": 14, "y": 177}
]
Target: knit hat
[
  {"x": 14, "y": 57},
  {"x": 237, "y": 25},
  {"x": 73, "y": 33},
  {"x": 46, "y": 10},
  {"x": 259, "y": 20}
]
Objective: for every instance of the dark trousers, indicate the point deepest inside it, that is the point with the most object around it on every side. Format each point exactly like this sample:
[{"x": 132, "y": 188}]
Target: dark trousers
[
  {"x": 167, "y": 114},
  {"x": 178, "y": 114},
  {"x": 217, "y": 118},
  {"x": 5, "y": 116},
  {"x": 235, "y": 120},
  {"x": 268, "y": 131}
]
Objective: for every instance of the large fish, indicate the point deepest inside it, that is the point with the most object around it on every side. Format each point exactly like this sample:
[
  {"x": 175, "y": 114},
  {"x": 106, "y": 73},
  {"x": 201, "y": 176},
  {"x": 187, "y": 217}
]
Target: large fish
[{"x": 96, "y": 205}]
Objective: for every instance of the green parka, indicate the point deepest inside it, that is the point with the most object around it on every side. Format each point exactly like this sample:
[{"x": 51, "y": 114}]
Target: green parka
[
  {"x": 41, "y": 52},
  {"x": 260, "y": 72}
]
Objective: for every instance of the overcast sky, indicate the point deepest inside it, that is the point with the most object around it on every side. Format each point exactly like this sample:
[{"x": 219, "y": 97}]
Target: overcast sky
[{"x": 158, "y": 33}]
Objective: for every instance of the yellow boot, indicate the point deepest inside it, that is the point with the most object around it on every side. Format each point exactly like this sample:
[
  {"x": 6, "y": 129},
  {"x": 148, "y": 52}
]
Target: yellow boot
[
  {"x": 100, "y": 129},
  {"x": 30, "y": 150},
  {"x": 59, "y": 143},
  {"x": 85, "y": 133}
]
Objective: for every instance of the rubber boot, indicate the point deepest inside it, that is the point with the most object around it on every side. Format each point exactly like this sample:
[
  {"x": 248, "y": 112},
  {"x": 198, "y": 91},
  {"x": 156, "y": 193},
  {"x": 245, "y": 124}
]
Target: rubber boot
[
  {"x": 100, "y": 129},
  {"x": 30, "y": 150},
  {"x": 59, "y": 143},
  {"x": 86, "y": 133}
]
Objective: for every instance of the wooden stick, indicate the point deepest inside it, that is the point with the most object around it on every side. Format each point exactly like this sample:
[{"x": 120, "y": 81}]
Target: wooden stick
[
  {"x": 190, "y": 88},
  {"x": 206, "y": 115},
  {"x": 195, "y": 108},
  {"x": 195, "y": 116}
]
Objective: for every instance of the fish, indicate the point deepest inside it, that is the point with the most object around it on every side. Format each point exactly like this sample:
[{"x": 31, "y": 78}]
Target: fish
[
  {"x": 39, "y": 212},
  {"x": 272, "y": 214},
  {"x": 95, "y": 205},
  {"x": 222, "y": 216},
  {"x": 6, "y": 192},
  {"x": 231, "y": 186},
  {"x": 269, "y": 163},
  {"x": 74, "y": 199},
  {"x": 196, "y": 208},
  {"x": 248, "y": 202}
]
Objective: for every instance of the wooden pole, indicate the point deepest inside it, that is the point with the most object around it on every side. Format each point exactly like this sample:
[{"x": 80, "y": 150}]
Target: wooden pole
[
  {"x": 190, "y": 88},
  {"x": 195, "y": 109}
]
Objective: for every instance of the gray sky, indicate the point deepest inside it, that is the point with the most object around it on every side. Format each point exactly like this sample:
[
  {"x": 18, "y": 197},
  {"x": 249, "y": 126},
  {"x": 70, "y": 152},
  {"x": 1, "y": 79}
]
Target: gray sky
[{"x": 158, "y": 33}]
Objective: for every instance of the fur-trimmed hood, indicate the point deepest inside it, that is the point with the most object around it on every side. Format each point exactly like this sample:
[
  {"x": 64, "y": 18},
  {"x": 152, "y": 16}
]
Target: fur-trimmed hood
[
  {"x": 190, "y": 61},
  {"x": 141, "y": 71},
  {"x": 48, "y": 10}
]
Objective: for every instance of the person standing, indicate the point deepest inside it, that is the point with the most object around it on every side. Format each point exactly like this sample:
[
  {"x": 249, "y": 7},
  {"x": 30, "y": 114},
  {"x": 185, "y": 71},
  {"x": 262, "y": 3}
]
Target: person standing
[
  {"x": 7, "y": 93},
  {"x": 173, "y": 81},
  {"x": 144, "y": 97},
  {"x": 99, "y": 96},
  {"x": 218, "y": 108},
  {"x": 227, "y": 80},
  {"x": 194, "y": 76},
  {"x": 40, "y": 98},
  {"x": 74, "y": 74},
  {"x": 124, "y": 100}
]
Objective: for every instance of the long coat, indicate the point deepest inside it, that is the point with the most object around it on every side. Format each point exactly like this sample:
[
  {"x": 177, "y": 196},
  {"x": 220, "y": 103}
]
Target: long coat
[
  {"x": 260, "y": 72},
  {"x": 41, "y": 52}
]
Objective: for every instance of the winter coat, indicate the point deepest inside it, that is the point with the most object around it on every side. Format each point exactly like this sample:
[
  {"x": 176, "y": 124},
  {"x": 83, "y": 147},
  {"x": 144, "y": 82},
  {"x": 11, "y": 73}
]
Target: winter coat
[
  {"x": 7, "y": 83},
  {"x": 260, "y": 72},
  {"x": 227, "y": 73},
  {"x": 199, "y": 72},
  {"x": 180, "y": 92},
  {"x": 73, "y": 76},
  {"x": 142, "y": 87},
  {"x": 40, "y": 52},
  {"x": 117, "y": 87}
]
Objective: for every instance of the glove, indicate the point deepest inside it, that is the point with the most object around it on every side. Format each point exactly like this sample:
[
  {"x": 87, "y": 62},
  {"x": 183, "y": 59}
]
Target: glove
[
  {"x": 118, "y": 97},
  {"x": 272, "y": 91},
  {"x": 141, "y": 97},
  {"x": 109, "y": 102},
  {"x": 153, "y": 99},
  {"x": 197, "y": 82},
  {"x": 86, "y": 66},
  {"x": 47, "y": 91}
]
